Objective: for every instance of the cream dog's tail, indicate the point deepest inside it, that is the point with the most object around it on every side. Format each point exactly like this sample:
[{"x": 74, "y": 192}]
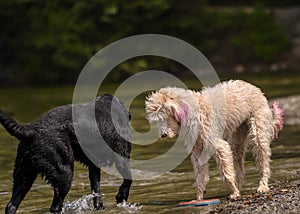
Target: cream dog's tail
[{"x": 278, "y": 121}]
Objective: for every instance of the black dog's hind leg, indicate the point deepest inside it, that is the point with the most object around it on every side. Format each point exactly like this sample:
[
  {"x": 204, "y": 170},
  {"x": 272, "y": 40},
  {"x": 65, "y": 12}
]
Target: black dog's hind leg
[
  {"x": 23, "y": 180},
  {"x": 24, "y": 175},
  {"x": 123, "y": 192},
  {"x": 94, "y": 176},
  {"x": 61, "y": 186}
]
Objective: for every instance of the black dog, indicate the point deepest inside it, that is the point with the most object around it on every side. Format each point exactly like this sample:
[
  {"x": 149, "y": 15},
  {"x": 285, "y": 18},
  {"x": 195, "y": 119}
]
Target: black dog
[{"x": 49, "y": 146}]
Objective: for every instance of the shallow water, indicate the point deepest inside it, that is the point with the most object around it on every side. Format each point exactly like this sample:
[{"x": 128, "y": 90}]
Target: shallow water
[{"x": 160, "y": 194}]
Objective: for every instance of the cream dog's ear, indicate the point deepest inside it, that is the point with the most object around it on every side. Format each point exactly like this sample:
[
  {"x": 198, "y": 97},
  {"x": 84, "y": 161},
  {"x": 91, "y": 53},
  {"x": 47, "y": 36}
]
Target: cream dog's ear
[{"x": 179, "y": 110}]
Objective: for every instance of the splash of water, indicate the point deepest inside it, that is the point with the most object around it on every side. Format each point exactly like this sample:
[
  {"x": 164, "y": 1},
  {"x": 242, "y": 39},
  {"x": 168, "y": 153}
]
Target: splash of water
[
  {"x": 85, "y": 203},
  {"x": 130, "y": 208}
]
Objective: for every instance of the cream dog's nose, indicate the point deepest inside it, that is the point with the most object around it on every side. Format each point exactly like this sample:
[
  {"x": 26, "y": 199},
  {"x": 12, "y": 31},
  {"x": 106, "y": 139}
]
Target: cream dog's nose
[{"x": 164, "y": 135}]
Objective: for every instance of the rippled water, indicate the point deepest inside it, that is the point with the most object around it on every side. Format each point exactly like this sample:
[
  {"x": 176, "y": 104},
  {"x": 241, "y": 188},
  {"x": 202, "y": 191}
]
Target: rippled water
[{"x": 160, "y": 194}]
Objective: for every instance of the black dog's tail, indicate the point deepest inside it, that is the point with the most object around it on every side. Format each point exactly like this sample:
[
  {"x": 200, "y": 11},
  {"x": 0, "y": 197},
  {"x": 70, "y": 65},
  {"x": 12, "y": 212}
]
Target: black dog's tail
[{"x": 15, "y": 129}]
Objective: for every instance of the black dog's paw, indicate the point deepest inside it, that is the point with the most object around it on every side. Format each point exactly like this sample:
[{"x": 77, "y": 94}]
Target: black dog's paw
[
  {"x": 10, "y": 209},
  {"x": 120, "y": 198},
  {"x": 98, "y": 204},
  {"x": 99, "y": 207},
  {"x": 56, "y": 210},
  {"x": 59, "y": 212}
]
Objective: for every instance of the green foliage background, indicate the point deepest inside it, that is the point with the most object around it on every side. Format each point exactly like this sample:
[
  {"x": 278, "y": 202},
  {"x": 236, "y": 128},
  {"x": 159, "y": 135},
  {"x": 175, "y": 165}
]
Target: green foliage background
[{"x": 49, "y": 42}]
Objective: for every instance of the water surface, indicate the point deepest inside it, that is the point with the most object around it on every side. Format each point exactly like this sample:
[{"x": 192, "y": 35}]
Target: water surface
[{"x": 160, "y": 194}]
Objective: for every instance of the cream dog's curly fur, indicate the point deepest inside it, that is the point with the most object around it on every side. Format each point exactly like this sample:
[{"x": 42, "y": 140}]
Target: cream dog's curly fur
[{"x": 219, "y": 121}]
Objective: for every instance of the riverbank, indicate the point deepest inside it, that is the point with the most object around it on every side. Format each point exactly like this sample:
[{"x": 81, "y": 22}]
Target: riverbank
[{"x": 282, "y": 198}]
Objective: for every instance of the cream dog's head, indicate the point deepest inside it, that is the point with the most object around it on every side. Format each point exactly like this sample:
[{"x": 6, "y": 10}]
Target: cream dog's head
[{"x": 167, "y": 108}]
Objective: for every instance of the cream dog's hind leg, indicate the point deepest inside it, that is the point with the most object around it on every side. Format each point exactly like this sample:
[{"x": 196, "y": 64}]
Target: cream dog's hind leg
[{"x": 238, "y": 144}]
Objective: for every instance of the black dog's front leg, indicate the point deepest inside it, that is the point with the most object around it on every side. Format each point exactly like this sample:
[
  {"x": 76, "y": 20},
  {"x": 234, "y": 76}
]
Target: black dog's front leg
[
  {"x": 94, "y": 175},
  {"x": 124, "y": 189}
]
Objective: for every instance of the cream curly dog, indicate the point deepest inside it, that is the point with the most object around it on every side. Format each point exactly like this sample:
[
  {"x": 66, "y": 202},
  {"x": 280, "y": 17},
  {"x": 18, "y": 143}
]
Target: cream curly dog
[{"x": 219, "y": 121}]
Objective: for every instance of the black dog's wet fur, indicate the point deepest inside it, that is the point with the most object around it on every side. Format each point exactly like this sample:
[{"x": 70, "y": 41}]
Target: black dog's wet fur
[{"x": 48, "y": 146}]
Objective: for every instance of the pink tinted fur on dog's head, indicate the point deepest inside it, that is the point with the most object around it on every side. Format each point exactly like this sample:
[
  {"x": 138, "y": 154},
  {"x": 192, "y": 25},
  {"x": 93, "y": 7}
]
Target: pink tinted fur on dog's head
[{"x": 181, "y": 114}]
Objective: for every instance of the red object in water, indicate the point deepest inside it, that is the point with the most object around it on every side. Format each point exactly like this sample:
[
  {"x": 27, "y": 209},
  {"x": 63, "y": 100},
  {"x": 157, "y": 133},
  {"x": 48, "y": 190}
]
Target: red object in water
[{"x": 197, "y": 203}]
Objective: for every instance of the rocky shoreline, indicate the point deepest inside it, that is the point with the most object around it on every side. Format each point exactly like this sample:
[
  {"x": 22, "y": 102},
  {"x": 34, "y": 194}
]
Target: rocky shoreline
[{"x": 282, "y": 198}]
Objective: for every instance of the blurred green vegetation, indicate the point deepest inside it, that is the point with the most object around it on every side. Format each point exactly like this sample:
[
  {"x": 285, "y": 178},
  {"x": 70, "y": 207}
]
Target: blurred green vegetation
[
  {"x": 259, "y": 35},
  {"x": 49, "y": 42}
]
